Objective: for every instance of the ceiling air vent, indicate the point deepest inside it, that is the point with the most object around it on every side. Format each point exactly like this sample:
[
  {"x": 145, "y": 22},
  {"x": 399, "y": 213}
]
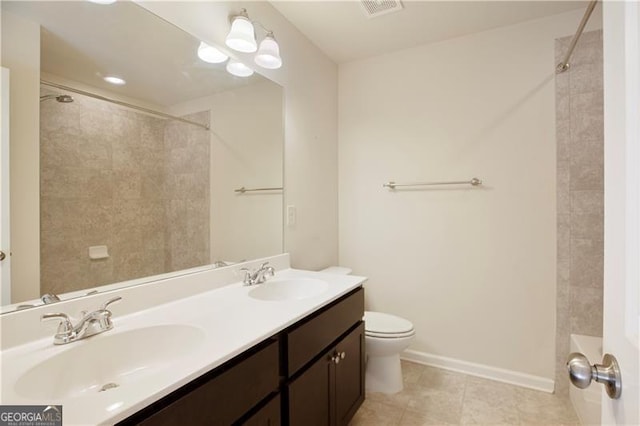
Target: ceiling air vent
[{"x": 374, "y": 8}]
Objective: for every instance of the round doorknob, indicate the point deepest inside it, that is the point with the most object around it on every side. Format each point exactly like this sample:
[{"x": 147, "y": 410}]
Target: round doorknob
[{"x": 581, "y": 373}]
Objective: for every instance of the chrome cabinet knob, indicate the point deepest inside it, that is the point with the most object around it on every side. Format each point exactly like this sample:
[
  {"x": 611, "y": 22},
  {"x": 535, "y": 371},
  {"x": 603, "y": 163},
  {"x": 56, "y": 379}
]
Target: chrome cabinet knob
[
  {"x": 581, "y": 373},
  {"x": 337, "y": 356}
]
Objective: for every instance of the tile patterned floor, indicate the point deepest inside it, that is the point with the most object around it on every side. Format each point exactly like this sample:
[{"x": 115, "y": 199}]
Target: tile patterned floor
[{"x": 433, "y": 396}]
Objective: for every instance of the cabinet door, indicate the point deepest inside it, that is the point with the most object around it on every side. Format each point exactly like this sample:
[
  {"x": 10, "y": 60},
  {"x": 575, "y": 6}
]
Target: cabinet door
[
  {"x": 309, "y": 395},
  {"x": 349, "y": 375}
]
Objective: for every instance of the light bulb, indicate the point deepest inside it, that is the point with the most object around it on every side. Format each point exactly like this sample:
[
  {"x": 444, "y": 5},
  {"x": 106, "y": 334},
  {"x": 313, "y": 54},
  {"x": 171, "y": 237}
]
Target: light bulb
[
  {"x": 242, "y": 37},
  {"x": 268, "y": 55},
  {"x": 238, "y": 69},
  {"x": 211, "y": 54}
]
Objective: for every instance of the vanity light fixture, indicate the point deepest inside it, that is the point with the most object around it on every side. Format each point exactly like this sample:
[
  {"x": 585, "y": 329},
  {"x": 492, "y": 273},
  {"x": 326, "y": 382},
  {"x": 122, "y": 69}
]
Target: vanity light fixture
[
  {"x": 242, "y": 38},
  {"x": 115, "y": 80},
  {"x": 211, "y": 54},
  {"x": 268, "y": 55},
  {"x": 242, "y": 35},
  {"x": 238, "y": 69}
]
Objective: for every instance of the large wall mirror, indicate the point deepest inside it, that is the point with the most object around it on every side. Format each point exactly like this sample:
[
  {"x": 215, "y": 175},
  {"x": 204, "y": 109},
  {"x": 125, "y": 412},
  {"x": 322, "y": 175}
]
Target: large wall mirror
[{"x": 116, "y": 183}]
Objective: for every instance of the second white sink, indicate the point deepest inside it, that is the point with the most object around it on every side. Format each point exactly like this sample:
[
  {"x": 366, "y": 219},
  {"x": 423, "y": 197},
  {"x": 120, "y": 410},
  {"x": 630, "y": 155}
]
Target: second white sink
[
  {"x": 108, "y": 361},
  {"x": 289, "y": 289}
]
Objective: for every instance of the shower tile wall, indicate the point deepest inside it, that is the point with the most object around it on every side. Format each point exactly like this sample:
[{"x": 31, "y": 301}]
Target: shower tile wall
[
  {"x": 107, "y": 179},
  {"x": 187, "y": 209},
  {"x": 580, "y": 192}
]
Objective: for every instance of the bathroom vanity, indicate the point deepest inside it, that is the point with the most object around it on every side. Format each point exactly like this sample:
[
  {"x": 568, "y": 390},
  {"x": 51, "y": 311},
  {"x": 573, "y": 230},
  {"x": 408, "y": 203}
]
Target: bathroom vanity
[
  {"x": 289, "y": 351},
  {"x": 310, "y": 373}
]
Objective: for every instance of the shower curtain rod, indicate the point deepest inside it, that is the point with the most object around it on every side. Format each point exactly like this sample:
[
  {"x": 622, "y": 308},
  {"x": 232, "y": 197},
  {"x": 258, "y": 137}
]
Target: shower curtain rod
[
  {"x": 564, "y": 65},
  {"x": 121, "y": 103}
]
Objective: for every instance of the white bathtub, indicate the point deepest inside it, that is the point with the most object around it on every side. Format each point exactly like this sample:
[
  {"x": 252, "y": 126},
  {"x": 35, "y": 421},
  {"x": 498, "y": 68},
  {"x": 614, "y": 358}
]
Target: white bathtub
[{"x": 587, "y": 401}]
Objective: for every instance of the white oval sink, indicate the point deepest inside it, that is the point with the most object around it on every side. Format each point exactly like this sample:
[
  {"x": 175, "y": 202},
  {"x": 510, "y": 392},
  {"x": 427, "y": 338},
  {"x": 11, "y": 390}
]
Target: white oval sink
[
  {"x": 291, "y": 289},
  {"x": 108, "y": 361}
]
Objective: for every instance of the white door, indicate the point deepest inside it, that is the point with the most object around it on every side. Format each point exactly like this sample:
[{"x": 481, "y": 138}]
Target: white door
[
  {"x": 621, "y": 23},
  {"x": 5, "y": 272}
]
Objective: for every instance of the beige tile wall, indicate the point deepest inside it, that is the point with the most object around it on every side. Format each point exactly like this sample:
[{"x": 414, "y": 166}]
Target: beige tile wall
[
  {"x": 188, "y": 190},
  {"x": 580, "y": 191},
  {"x": 109, "y": 177}
]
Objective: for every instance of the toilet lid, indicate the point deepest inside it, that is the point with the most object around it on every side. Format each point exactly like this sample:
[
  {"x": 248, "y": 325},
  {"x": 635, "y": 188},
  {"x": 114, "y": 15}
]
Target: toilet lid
[{"x": 386, "y": 325}]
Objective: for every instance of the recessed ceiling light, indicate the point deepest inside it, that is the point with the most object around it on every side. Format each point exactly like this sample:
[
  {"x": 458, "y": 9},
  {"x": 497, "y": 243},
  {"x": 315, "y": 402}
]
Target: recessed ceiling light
[
  {"x": 103, "y": 1},
  {"x": 114, "y": 80}
]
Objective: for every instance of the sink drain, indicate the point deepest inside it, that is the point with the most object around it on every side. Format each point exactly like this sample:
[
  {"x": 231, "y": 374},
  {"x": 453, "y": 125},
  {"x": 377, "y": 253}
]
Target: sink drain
[{"x": 108, "y": 386}]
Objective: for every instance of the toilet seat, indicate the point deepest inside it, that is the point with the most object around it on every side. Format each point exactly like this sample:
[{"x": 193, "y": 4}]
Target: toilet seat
[{"x": 386, "y": 326}]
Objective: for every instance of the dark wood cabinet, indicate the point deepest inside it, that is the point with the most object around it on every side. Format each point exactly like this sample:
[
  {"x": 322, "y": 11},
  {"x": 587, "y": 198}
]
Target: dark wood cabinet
[
  {"x": 349, "y": 375},
  {"x": 309, "y": 396},
  {"x": 220, "y": 397},
  {"x": 267, "y": 415},
  {"x": 331, "y": 390},
  {"x": 315, "y": 333},
  {"x": 310, "y": 374}
]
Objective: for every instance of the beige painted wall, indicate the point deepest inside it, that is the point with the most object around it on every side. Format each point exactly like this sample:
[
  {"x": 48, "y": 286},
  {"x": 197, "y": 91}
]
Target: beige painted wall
[
  {"x": 309, "y": 79},
  {"x": 23, "y": 59},
  {"x": 473, "y": 269}
]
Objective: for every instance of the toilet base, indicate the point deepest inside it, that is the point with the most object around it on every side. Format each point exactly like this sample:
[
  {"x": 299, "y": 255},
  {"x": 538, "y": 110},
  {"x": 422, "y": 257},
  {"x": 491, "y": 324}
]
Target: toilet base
[{"x": 384, "y": 374}]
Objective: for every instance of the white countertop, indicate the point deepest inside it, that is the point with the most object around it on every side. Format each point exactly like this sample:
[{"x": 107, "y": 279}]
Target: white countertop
[{"x": 231, "y": 322}]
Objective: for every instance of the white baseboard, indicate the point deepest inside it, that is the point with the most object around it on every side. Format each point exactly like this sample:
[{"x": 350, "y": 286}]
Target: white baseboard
[{"x": 487, "y": 372}]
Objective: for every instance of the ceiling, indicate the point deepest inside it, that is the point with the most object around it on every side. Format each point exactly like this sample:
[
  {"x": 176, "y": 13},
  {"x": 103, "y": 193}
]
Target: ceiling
[
  {"x": 344, "y": 33},
  {"x": 83, "y": 42}
]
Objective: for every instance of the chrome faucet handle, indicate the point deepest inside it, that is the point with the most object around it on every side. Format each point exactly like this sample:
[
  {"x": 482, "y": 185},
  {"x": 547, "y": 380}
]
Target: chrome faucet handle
[
  {"x": 49, "y": 298},
  {"x": 65, "y": 327},
  {"x": 109, "y": 302},
  {"x": 268, "y": 272},
  {"x": 264, "y": 266},
  {"x": 248, "y": 276}
]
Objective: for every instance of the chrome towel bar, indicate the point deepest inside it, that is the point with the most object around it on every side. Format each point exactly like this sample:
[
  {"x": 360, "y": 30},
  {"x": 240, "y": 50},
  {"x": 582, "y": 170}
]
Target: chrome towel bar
[
  {"x": 243, "y": 189},
  {"x": 394, "y": 185}
]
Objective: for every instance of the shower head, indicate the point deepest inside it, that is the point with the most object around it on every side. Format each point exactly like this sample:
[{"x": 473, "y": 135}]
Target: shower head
[{"x": 65, "y": 99}]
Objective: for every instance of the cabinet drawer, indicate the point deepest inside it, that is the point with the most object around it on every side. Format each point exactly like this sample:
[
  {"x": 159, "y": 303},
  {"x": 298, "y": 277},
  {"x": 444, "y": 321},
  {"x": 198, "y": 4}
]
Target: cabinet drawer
[
  {"x": 317, "y": 333},
  {"x": 226, "y": 397},
  {"x": 269, "y": 415}
]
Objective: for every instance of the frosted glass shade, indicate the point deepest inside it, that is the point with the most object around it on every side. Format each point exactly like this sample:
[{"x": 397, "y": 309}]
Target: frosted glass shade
[
  {"x": 211, "y": 54},
  {"x": 268, "y": 55},
  {"x": 238, "y": 69},
  {"x": 242, "y": 36}
]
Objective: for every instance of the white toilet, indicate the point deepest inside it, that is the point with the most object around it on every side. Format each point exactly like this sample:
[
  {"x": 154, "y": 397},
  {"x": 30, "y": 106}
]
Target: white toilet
[{"x": 385, "y": 337}]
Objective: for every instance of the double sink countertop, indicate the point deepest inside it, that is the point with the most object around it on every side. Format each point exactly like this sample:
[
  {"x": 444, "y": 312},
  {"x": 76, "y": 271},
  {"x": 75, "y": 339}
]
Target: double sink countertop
[{"x": 150, "y": 353}]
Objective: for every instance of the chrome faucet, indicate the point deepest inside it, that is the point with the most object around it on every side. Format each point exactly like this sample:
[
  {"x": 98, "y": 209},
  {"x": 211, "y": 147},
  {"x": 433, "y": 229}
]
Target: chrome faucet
[
  {"x": 259, "y": 275},
  {"x": 91, "y": 323}
]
